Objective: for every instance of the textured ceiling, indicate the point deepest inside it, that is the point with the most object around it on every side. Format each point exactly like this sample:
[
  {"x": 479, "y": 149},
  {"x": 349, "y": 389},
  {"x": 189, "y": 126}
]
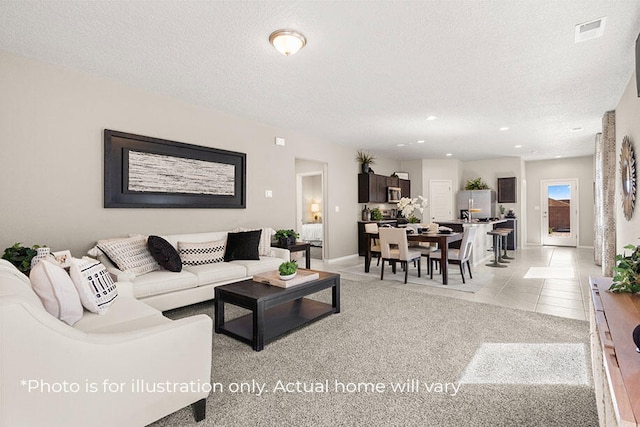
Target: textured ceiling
[{"x": 371, "y": 71}]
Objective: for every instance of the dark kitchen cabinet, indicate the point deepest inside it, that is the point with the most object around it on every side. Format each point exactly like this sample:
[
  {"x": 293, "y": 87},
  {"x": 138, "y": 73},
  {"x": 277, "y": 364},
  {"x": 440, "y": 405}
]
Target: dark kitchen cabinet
[{"x": 372, "y": 188}]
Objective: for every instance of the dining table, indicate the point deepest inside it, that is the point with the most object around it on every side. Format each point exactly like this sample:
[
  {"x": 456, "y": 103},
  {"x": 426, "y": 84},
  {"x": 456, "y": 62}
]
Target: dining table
[{"x": 442, "y": 239}]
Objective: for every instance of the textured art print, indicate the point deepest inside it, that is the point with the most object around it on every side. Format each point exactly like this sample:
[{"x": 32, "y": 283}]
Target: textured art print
[
  {"x": 168, "y": 174},
  {"x": 146, "y": 172}
]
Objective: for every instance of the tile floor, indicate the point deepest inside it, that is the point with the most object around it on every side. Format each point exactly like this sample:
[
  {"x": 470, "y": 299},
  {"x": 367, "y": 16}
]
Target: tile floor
[{"x": 545, "y": 279}]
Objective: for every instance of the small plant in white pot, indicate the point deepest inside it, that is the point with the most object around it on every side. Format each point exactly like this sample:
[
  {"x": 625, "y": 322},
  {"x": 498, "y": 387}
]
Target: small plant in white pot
[{"x": 288, "y": 270}]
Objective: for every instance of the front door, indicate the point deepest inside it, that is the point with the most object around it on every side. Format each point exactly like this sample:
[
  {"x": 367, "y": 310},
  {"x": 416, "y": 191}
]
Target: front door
[{"x": 559, "y": 212}]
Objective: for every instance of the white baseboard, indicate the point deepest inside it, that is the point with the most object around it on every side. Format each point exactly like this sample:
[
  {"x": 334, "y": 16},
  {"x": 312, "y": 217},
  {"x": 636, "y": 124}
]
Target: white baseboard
[{"x": 344, "y": 258}]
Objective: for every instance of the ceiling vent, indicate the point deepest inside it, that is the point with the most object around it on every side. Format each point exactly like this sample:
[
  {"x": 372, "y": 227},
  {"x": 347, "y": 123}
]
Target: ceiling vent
[{"x": 590, "y": 30}]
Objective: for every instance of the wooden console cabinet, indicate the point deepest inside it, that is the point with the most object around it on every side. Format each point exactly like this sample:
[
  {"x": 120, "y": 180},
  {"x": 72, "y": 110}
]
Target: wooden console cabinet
[{"x": 615, "y": 361}]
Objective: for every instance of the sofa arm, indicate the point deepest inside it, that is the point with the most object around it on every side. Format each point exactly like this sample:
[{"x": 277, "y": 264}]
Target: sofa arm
[
  {"x": 281, "y": 253},
  {"x": 125, "y": 289},
  {"x": 107, "y": 370}
]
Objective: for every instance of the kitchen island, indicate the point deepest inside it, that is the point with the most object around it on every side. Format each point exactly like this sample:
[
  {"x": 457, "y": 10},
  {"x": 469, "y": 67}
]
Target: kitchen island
[{"x": 483, "y": 243}]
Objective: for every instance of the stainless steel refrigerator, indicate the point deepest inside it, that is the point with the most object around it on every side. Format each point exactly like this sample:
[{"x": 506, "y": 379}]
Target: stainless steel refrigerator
[{"x": 485, "y": 200}]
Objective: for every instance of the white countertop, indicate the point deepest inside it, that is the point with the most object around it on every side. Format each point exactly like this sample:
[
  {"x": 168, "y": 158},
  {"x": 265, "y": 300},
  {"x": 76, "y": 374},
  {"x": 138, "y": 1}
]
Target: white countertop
[{"x": 474, "y": 222}]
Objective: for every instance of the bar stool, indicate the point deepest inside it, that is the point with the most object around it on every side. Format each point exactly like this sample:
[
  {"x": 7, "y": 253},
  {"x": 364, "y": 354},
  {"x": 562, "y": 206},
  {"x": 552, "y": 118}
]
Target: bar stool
[
  {"x": 505, "y": 243},
  {"x": 496, "y": 248},
  {"x": 502, "y": 233}
]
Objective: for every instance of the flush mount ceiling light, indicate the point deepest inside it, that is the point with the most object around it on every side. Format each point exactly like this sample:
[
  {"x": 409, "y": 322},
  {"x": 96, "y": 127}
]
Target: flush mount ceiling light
[
  {"x": 431, "y": 118},
  {"x": 287, "y": 42}
]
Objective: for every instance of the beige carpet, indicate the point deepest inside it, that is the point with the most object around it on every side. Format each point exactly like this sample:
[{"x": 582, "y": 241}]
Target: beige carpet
[{"x": 396, "y": 358}]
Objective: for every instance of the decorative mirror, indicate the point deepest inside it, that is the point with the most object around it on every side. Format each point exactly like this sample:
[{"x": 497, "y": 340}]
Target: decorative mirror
[{"x": 628, "y": 175}]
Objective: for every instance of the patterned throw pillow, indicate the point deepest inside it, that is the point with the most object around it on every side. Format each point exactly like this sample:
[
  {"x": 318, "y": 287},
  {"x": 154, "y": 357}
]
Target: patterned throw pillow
[
  {"x": 164, "y": 253},
  {"x": 94, "y": 284},
  {"x": 201, "y": 253},
  {"x": 130, "y": 254},
  {"x": 55, "y": 289}
]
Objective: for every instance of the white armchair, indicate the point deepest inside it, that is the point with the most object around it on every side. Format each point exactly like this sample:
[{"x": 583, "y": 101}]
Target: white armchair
[{"x": 101, "y": 371}]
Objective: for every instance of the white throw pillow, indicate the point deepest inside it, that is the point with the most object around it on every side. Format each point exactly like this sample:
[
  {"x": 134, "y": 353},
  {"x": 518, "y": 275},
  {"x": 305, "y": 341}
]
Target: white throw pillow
[
  {"x": 55, "y": 289},
  {"x": 130, "y": 254},
  {"x": 93, "y": 283},
  {"x": 202, "y": 253}
]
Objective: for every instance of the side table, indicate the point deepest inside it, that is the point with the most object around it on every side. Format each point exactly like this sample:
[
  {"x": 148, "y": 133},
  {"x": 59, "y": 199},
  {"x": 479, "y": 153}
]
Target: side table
[{"x": 299, "y": 247}]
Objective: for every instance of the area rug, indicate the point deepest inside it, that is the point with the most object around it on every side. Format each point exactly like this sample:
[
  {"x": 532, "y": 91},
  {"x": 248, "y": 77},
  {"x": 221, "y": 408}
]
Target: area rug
[
  {"x": 394, "y": 357},
  {"x": 480, "y": 279}
]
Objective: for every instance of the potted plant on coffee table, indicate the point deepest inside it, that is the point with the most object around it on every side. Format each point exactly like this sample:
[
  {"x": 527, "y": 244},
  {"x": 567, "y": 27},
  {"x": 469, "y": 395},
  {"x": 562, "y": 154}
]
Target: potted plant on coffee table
[
  {"x": 286, "y": 238},
  {"x": 288, "y": 270}
]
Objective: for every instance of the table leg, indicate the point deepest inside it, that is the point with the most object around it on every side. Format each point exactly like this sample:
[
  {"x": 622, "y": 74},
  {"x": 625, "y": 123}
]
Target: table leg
[
  {"x": 258, "y": 327},
  {"x": 307, "y": 256},
  {"x": 367, "y": 254},
  {"x": 219, "y": 313},
  {"x": 444, "y": 262},
  {"x": 335, "y": 296}
]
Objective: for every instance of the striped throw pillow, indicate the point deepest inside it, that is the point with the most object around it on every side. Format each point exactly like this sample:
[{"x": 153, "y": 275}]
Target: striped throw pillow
[{"x": 94, "y": 284}]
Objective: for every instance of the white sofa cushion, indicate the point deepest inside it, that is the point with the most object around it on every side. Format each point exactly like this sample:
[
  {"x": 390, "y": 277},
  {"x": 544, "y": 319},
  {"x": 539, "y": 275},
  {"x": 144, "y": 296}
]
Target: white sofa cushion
[
  {"x": 93, "y": 283},
  {"x": 124, "y": 315},
  {"x": 256, "y": 267},
  {"x": 160, "y": 282},
  {"x": 218, "y": 272},
  {"x": 199, "y": 253},
  {"x": 130, "y": 254},
  {"x": 56, "y": 291}
]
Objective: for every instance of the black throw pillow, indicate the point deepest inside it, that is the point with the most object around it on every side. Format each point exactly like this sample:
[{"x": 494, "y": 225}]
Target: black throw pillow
[
  {"x": 242, "y": 245},
  {"x": 165, "y": 254}
]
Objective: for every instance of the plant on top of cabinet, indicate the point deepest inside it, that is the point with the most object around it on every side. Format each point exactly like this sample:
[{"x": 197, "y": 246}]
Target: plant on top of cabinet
[
  {"x": 476, "y": 184},
  {"x": 365, "y": 160}
]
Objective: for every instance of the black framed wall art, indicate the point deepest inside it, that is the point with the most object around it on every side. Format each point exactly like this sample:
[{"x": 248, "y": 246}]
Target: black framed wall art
[
  {"x": 507, "y": 190},
  {"x": 146, "y": 172}
]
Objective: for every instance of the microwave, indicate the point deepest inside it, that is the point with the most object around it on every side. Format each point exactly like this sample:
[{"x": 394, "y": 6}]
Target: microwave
[{"x": 394, "y": 194}]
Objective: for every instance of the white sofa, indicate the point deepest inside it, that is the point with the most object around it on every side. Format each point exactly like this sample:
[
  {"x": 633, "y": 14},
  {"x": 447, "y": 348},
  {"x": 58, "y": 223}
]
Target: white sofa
[
  {"x": 165, "y": 290},
  {"x": 53, "y": 374}
]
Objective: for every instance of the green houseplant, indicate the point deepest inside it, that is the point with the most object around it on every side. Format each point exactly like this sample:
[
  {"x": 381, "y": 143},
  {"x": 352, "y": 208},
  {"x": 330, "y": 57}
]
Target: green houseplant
[
  {"x": 627, "y": 271},
  {"x": 286, "y": 238},
  {"x": 20, "y": 256},
  {"x": 288, "y": 270},
  {"x": 365, "y": 160},
  {"x": 376, "y": 214},
  {"x": 476, "y": 184}
]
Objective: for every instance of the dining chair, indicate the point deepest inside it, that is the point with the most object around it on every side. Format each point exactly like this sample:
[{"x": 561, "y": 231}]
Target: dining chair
[
  {"x": 395, "y": 248},
  {"x": 372, "y": 228},
  {"x": 457, "y": 256}
]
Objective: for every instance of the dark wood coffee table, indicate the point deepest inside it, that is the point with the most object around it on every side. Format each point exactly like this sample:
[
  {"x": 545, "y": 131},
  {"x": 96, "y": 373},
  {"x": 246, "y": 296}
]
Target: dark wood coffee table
[{"x": 275, "y": 311}]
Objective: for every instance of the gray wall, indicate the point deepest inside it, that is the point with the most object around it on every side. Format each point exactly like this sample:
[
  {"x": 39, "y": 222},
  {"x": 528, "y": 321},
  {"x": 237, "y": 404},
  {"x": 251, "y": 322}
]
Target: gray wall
[
  {"x": 627, "y": 123},
  {"x": 51, "y": 176},
  {"x": 576, "y": 167}
]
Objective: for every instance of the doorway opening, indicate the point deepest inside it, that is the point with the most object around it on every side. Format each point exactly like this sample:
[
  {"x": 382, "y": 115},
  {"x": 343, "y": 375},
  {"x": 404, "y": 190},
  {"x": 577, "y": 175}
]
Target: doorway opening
[
  {"x": 560, "y": 212},
  {"x": 310, "y": 207}
]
